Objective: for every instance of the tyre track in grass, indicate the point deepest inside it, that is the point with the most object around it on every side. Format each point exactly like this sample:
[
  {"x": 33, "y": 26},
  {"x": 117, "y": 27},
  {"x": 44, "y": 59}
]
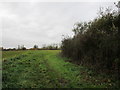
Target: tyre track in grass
[
  {"x": 45, "y": 69},
  {"x": 69, "y": 75},
  {"x": 29, "y": 70},
  {"x": 66, "y": 72}
]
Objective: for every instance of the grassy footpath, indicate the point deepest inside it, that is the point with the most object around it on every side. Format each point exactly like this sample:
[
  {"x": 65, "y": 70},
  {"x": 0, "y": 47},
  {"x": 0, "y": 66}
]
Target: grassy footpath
[{"x": 46, "y": 69}]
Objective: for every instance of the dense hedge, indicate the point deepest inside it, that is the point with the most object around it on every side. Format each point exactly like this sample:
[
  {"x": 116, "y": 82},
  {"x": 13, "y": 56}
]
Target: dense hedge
[{"x": 96, "y": 43}]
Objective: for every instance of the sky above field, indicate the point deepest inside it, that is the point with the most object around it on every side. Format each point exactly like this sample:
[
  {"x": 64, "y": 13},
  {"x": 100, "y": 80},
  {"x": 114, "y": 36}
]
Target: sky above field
[{"x": 30, "y": 23}]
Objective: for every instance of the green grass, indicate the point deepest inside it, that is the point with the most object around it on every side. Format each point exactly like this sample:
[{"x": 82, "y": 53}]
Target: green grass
[
  {"x": 7, "y": 54},
  {"x": 47, "y": 69}
]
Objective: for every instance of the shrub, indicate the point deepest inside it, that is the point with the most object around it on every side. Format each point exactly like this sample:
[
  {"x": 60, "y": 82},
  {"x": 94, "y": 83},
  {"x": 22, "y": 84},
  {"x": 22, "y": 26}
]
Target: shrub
[{"x": 96, "y": 43}]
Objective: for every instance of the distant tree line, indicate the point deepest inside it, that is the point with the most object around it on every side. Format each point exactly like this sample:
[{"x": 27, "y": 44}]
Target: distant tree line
[
  {"x": 22, "y": 47},
  {"x": 35, "y": 47},
  {"x": 96, "y": 43},
  {"x": 51, "y": 47}
]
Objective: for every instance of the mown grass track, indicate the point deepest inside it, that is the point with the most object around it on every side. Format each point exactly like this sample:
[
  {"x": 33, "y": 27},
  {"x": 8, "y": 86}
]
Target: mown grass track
[{"x": 46, "y": 69}]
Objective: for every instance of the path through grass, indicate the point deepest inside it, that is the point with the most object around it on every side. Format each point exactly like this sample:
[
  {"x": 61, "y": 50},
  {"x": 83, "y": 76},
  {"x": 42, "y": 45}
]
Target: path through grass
[{"x": 46, "y": 69}]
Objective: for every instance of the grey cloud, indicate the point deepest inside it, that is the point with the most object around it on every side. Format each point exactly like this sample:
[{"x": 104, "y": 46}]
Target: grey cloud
[{"x": 27, "y": 23}]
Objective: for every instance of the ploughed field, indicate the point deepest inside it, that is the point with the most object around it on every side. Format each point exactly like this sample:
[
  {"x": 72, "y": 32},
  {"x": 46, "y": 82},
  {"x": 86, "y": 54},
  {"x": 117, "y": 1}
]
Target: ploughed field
[{"x": 47, "y": 69}]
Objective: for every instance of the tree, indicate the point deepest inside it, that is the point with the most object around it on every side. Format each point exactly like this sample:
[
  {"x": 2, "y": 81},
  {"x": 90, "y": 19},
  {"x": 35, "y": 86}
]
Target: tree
[
  {"x": 19, "y": 47},
  {"x": 80, "y": 28},
  {"x": 96, "y": 44},
  {"x": 35, "y": 46},
  {"x": 23, "y": 47}
]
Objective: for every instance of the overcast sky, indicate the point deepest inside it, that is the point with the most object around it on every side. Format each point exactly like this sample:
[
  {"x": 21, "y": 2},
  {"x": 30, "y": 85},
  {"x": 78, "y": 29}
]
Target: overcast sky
[{"x": 30, "y": 23}]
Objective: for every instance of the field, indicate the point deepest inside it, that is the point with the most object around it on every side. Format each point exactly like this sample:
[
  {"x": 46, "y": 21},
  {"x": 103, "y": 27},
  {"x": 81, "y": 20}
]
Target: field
[{"x": 47, "y": 69}]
